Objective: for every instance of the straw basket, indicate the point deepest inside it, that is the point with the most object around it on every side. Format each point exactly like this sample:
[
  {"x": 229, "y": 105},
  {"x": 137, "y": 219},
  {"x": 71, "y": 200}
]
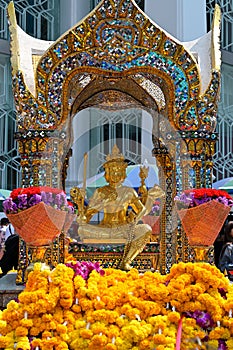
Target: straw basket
[
  {"x": 203, "y": 223},
  {"x": 40, "y": 224}
]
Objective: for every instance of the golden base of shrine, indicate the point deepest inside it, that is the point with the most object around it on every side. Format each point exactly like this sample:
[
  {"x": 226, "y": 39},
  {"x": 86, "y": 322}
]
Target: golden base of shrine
[{"x": 201, "y": 253}]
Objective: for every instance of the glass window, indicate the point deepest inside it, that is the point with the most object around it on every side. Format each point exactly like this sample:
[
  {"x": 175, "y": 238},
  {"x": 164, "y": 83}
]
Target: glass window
[
  {"x": 226, "y": 21},
  {"x": 38, "y": 18}
]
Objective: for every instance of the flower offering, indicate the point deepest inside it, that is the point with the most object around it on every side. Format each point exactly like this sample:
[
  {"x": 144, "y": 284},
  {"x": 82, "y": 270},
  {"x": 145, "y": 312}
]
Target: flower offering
[
  {"x": 202, "y": 213},
  {"x": 67, "y": 308},
  {"x": 39, "y": 214},
  {"x": 152, "y": 219},
  {"x": 194, "y": 197},
  {"x": 155, "y": 210},
  {"x": 24, "y": 198}
]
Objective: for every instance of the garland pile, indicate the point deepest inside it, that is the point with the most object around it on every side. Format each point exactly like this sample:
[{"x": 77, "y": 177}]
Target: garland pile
[{"x": 80, "y": 307}]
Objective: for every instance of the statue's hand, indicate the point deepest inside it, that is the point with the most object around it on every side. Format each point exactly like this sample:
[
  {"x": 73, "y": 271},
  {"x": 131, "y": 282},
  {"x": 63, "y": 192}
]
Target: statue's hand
[
  {"x": 77, "y": 194},
  {"x": 131, "y": 217},
  {"x": 156, "y": 192},
  {"x": 107, "y": 194},
  {"x": 153, "y": 193}
]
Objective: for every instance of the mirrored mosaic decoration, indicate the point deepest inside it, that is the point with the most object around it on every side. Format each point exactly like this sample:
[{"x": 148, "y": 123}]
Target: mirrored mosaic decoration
[
  {"x": 117, "y": 51},
  {"x": 37, "y": 19}
]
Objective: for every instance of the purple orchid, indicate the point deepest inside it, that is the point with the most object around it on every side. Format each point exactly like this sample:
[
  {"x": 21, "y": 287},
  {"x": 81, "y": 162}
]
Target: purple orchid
[
  {"x": 60, "y": 200},
  {"x": 71, "y": 209},
  {"x": 155, "y": 210},
  {"x": 84, "y": 268},
  {"x": 22, "y": 201},
  {"x": 222, "y": 345},
  {"x": 35, "y": 199},
  {"x": 9, "y": 206},
  {"x": 195, "y": 197},
  {"x": 202, "y": 318},
  {"x": 47, "y": 197},
  {"x": 185, "y": 199}
]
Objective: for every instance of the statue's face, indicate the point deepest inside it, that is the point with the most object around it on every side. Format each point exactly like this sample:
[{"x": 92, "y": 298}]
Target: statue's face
[{"x": 115, "y": 174}]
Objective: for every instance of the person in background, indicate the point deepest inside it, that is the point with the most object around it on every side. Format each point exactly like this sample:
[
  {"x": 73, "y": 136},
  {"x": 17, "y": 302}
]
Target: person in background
[
  {"x": 7, "y": 227},
  {"x": 3, "y": 227},
  {"x": 10, "y": 254},
  {"x": 2, "y": 243},
  {"x": 226, "y": 255},
  {"x": 220, "y": 240}
]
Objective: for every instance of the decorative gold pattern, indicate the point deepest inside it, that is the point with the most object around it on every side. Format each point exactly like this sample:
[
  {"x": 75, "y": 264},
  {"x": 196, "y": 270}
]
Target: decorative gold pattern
[
  {"x": 118, "y": 58},
  {"x": 117, "y": 41},
  {"x": 201, "y": 253}
]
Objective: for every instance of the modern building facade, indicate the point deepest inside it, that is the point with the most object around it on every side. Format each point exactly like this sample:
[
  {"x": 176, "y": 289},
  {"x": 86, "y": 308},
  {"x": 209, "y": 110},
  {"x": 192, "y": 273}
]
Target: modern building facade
[{"x": 47, "y": 20}]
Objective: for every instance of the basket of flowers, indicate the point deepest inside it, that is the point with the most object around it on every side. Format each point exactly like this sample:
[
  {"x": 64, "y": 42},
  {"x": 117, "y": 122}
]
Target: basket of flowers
[
  {"x": 38, "y": 214},
  {"x": 202, "y": 213}
]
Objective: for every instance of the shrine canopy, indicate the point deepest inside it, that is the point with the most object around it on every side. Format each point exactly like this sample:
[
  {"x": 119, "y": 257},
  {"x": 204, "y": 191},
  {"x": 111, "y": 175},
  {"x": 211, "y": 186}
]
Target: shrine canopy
[
  {"x": 116, "y": 39},
  {"x": 115, "y": 58}
]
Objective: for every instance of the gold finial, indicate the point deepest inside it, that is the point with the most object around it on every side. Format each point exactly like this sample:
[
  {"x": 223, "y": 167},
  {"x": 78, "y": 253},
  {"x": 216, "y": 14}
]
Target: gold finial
[
  {"x": 115, "y": 157},
  {"x": 115, "y": 154},
  {"x": 143, "y": 172}
]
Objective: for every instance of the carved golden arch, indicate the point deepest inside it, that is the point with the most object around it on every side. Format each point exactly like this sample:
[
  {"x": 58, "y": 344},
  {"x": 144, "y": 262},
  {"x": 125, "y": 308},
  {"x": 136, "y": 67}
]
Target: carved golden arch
[
  {"x": 117, "y": 47},
  {"x": 124, "y": 84}
]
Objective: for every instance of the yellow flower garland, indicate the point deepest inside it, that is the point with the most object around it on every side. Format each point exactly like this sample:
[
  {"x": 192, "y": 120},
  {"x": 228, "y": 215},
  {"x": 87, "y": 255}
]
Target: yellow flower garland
[{"x": 118, "y": 311}]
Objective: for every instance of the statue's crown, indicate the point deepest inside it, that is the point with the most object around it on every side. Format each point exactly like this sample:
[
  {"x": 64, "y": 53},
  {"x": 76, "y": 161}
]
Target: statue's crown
[
  {"x": 115, "y": 158},
  {"x": 115, "y": 155}
]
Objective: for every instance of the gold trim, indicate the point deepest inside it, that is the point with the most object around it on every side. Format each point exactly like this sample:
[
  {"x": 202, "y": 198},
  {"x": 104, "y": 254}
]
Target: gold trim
[
  {"x": 14, "y": 44},
  {"x": 35, "y": 61},
  {"x": 215, "y": 47}
]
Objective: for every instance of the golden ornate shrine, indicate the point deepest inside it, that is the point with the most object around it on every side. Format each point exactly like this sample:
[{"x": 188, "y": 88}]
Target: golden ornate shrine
[{"x": 116, "y": 57}]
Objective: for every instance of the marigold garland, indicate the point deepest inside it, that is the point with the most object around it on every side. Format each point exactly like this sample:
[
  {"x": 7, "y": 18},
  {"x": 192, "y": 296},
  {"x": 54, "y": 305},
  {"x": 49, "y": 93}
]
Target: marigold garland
[{"x": 118, "y": 310}]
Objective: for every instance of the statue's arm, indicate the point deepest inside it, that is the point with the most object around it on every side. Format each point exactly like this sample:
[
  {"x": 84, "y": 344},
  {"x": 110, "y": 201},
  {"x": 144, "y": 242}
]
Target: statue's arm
[
  {"x": 141, "y": 209},
  {"x": 143, "y": 192},
  {"x": 77, "y": 196},
  {"x": 89, "y": 212},
  {"x": 153, "y": 194},
  {"x": 85, "y": 213},
  {"x": 138, "y": 209},
  {"x": 96, "y": 204}
]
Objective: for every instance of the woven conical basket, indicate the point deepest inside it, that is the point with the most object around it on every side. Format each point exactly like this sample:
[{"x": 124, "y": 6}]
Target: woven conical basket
[
  {"x": 203, "y": 223},
  {"x": 40, "y": 224}
]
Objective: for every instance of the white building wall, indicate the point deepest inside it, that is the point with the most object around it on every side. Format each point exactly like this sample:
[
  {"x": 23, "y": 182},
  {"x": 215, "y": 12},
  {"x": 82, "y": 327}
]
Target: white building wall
[
  {"x": 184, "y": 19},
  {"x": 71, "y": 12}
]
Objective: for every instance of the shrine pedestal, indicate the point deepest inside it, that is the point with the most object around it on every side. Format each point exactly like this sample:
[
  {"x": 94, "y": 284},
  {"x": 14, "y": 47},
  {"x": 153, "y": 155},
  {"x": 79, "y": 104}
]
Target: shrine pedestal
[
  {"x": 8, "y": 289},
  {"x": 110, "y": 255}
]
